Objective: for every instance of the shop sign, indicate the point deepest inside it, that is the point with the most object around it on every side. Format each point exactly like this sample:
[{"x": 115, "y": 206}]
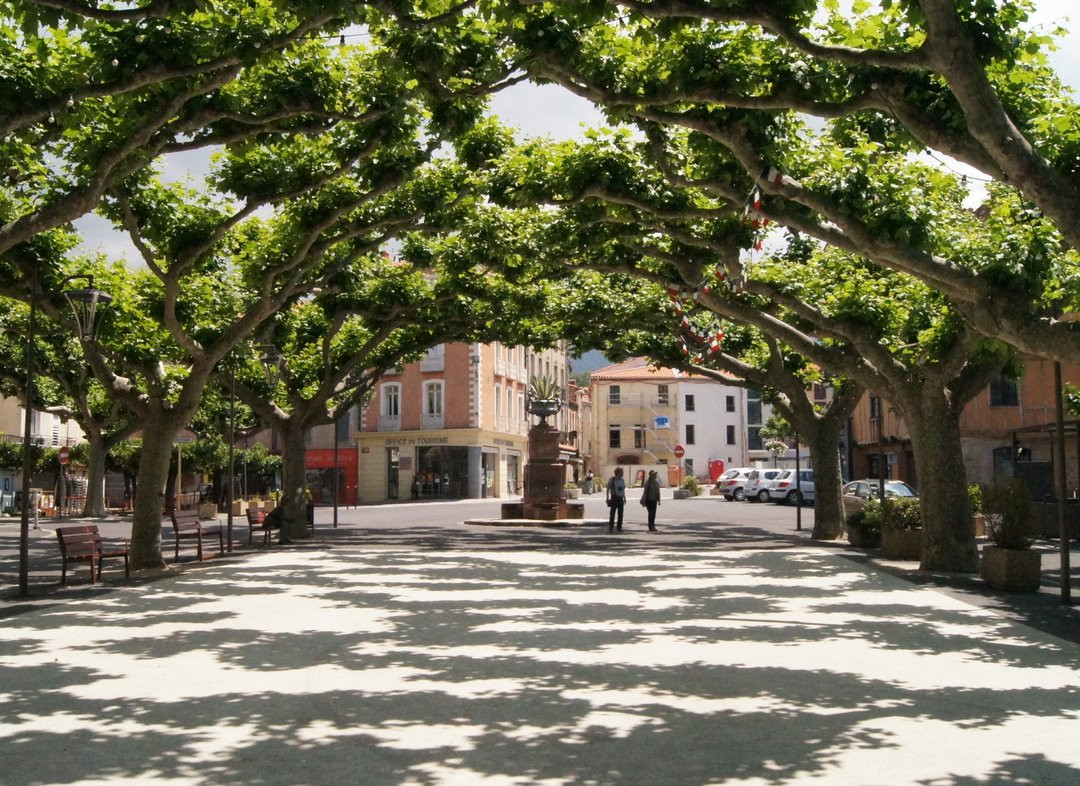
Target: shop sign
[{"x": 417, "y": 441}]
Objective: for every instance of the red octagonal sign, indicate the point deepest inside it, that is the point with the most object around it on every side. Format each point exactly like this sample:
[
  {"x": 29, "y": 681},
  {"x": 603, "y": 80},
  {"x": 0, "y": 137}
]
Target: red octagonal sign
[
  {"x": 679, "y": 451},
  {"x": 65, "y": 454}
]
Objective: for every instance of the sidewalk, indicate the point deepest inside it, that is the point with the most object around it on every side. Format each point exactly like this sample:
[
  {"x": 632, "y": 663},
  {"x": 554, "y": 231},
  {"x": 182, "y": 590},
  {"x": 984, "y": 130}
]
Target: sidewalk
[{"x": 442, "y": 655}]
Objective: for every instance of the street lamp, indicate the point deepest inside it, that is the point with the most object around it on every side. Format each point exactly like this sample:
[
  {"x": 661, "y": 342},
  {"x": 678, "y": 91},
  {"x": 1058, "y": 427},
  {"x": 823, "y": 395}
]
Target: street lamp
[
  {"x": 87, "y": 305},
  {"x": 337, "y": 472},
  {"x": 232, "y": 458}
]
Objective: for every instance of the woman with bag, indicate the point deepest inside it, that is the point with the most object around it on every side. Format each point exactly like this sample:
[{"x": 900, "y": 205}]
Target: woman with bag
[{"x": 650, "y": 498}]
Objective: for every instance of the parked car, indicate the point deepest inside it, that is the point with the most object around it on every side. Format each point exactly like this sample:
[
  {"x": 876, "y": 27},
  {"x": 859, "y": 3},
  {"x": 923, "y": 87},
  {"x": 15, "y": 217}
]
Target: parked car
[
  {"x": 758, "y": 483},
  {"x": 858, "y": 492},
  {"x": 732, "y": 484},
  {"x": 785, "y": 490}
]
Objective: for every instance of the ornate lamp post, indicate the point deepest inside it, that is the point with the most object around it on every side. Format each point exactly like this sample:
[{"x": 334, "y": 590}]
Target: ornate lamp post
[{"x": 87, "y": 305}]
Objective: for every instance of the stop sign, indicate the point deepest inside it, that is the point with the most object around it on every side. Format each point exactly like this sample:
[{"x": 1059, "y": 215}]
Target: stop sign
[
  {"x": 64, "y": 455},
  {"x": 679, "y": 451}
]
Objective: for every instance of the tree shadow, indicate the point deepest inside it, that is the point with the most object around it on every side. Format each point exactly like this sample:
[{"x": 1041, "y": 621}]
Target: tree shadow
[{"x": 425, "y": 656}]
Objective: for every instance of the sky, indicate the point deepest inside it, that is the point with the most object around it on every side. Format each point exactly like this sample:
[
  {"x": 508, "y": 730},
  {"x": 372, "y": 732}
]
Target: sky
[{"x": 553, "y": 112}]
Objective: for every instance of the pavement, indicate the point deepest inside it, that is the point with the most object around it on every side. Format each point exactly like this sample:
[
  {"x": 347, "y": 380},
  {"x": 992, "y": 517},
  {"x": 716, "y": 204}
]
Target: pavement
[{"x": 405, "y": 647}]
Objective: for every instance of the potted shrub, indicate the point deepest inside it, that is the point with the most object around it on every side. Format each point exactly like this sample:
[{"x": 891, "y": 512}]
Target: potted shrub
[
  {"x": 690, "y": 487},
  {"x": 1008, "y": 562},
  {"x": 901, "y": 528},
  {"x": 864, "y": 526},
  {"x": 571, "y": 491},
  {"x": 978, "y": 520}
]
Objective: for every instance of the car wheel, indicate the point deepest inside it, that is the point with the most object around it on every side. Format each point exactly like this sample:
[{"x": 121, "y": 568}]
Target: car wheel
[
  {"x": 739, "y": 495},
  {"x": 763, "y": 496},
  {"x": 792, "y": 498}
]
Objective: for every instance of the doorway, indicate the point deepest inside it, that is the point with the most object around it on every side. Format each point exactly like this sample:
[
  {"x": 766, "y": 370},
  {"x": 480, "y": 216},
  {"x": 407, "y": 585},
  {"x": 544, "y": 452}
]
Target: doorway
[{"x": 392, "y": 468}]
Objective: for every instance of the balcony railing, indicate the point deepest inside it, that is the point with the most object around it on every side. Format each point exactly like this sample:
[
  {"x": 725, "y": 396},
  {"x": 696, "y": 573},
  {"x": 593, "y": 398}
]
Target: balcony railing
[
  {"x": 389, "y": 422},
  {"x": 431, "y": 421}
]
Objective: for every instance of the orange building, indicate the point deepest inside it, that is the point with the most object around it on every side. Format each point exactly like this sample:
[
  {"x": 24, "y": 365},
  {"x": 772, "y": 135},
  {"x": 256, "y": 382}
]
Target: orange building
[{"x": 1007, "y": 429}]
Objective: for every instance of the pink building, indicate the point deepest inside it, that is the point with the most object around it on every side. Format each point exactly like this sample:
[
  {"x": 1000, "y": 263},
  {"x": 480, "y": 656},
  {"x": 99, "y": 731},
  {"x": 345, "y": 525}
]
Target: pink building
[{"x": 454, "y": 424}]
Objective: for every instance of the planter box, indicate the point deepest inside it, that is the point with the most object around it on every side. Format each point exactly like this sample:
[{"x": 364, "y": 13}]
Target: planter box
[
  {"x": 902, "y": 543},
  {"x": 978, "y": 522},
  {"x": 1011, "y": 569},
  {"x": 268, "y": 506},
  {"x": 864, "y": 540},
  {"x": 573, "y": 493},
  {"x": 683, "y": 494},
  {"x": 239, "y": 507},
  {"x": 207, "y": 510}
]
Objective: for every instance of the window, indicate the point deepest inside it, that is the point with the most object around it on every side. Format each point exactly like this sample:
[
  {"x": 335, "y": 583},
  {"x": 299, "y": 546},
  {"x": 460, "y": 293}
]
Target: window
[
  {"x": 662, "y": 395},
  {"x": 875, "y": 408},
  {"x": 391, "y": 401},
  {"x": 342, "y": 428},
  {"x": 509, "y": 403},
  {"x": 614, "y": 437},
  {"x": 731, "y": 435},
  {"x": 729, "y": 403},
  {"x": 614, "y": 395},
  {"x": 689, "y": 434},
  {"x": 821, "y": 393},
  {"x": 690, "y": 403},
  {"x": 1004, "y": 392},
  {"x": 498, "y": 401},
  {"x": 753, "y": 438},
  {"x": 639, "y": 436},
  {"x": 434, "y": 359},
  {"x": 433, "y": 399}
]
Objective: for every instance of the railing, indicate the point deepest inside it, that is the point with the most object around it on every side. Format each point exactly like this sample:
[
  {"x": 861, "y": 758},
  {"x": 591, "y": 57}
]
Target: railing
[
  {"x": 431, "y": 421},
  {"x": 389, "y": 422}
]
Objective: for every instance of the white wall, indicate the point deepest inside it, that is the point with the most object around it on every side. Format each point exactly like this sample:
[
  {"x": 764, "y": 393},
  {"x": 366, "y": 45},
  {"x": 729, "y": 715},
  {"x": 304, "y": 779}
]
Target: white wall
[{"x": 710, "y": 420}]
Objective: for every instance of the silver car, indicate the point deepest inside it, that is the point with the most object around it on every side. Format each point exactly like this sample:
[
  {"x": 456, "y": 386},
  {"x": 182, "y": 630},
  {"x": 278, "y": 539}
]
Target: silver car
[
  {"x": 732, "y": 484},
  {"x": 858, "y": 492},
  {"x": 784, "y": 488},
  {"x": 758, "y": 484}
]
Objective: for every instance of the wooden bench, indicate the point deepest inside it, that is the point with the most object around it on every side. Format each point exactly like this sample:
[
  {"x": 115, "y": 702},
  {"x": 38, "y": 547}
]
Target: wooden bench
[
  {"x": 188, "y": 526},
  {"x": 83, "y": 544},
  {"x": 257, "y": 520}
]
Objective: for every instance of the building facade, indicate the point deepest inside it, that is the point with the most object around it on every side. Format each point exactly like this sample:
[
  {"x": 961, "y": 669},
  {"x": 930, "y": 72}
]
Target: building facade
[
  {"x": 454, "y": 425},
  {"x": 649, "y": 417},
  {"x": 1007, "y": 429}
]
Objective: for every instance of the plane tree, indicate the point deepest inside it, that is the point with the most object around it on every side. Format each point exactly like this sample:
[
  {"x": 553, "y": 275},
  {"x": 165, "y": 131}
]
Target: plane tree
[
  {"x": 283, "y": 216},
  {"x": 811, "y": 104},
  {"x": 883, "y": 330}
]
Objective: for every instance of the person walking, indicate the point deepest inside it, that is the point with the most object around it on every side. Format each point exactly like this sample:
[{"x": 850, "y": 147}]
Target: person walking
[
  {"x": 650, "y": 498},
  {"x": 616, "y": 499}
]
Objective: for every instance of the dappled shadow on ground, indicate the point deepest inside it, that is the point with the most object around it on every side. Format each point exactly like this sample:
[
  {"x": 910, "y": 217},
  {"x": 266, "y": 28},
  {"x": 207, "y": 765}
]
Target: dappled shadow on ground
[{"x": 452, "y": 656}]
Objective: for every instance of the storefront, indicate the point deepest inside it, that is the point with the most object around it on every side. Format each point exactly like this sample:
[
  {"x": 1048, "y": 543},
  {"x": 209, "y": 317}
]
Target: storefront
[
  {"x": 449, "y": 464},
  {"x": 319, "y": 475}
]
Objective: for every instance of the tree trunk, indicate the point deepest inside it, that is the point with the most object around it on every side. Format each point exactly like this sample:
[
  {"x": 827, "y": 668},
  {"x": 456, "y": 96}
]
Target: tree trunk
[
  {"x": 154, "y": 461},
  {"x": 948, "y": 537},
  {"x": 828, "y": 482},
  {"x": 294, "y": 481},
  {"x": 94, "y": 505}
]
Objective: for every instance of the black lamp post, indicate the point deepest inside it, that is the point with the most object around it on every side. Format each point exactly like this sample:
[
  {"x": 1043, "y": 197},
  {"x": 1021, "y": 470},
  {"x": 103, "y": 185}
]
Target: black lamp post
[
  {"x": 337, "y": 471},
  {"x": 232, "y": 458},
  {"x": 87, "y": 304}
]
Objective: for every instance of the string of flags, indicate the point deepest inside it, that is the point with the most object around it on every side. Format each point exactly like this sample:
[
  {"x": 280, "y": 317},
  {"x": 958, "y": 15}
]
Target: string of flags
[
  {"x": 752, "y": 207},
  {"x": 697, "y": 341}
]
